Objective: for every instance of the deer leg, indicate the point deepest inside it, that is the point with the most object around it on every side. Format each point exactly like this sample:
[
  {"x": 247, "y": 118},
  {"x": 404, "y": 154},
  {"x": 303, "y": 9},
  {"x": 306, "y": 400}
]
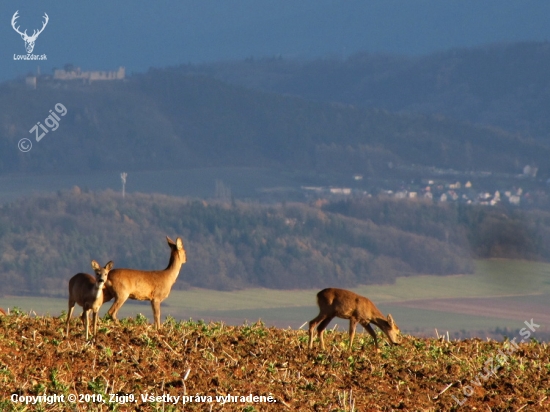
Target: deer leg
[
  {"x": 321, "y": 328},
  {"x": 95, "y": 324},
  {"x": 71, "y": 308},
  {"x": 155, "y": 304},
  {"x": 371, "y": 332},
  {"x": 312, "y": 323},
  {"x": 352, "y": 327},
  {"x": 85, "y": 314},
  {"x": 119, "y": 301},
  {"x": 84, "y": 318}
]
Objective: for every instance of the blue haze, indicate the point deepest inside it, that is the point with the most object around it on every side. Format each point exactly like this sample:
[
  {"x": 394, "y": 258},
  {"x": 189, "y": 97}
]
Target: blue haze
[{"x": 138, "y": 34}]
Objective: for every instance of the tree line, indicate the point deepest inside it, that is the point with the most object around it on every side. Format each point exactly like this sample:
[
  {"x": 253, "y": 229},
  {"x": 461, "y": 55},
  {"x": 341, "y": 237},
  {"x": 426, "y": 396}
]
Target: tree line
[
  {"x": 45, "y": 239},
  {"x": 487, "y": 232}
]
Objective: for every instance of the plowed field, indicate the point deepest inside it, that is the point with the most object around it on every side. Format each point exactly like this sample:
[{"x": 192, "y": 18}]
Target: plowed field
[{"x": 215, "y": 367}]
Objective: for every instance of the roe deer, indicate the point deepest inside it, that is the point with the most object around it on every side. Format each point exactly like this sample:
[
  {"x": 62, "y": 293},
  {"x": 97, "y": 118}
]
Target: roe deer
[
  {"x": 146, "y": 285},
  {"x": 87, "y": 291},
  {"x": 358, "y": 309}
]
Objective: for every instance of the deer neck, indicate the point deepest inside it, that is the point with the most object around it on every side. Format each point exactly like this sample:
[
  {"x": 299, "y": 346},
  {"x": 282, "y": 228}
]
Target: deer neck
[
  {"x": 381, "y": 322},
  {"x": 174, "y": 266},
  {"x": 378, "y": 318},
  {"x": 99, "y": 289}
]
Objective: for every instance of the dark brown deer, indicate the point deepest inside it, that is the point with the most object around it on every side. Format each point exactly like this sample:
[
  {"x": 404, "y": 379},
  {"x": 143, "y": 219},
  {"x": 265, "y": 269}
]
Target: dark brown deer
[
  {"x": 358, "y": 309},
  {"x": 153, "y": 285},
  {"x": 87, "y": 291}
]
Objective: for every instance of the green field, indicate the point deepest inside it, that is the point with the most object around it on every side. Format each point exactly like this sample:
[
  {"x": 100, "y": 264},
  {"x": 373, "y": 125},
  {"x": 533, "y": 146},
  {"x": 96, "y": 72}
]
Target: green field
[{"x": 522, "y": 285}]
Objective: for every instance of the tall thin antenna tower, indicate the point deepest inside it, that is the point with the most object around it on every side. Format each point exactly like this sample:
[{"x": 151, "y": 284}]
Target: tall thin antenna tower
[{"x": 123, "y": 177}]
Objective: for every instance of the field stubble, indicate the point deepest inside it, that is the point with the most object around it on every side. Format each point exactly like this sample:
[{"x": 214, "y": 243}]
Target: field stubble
[{"x": 195, "y": 358}]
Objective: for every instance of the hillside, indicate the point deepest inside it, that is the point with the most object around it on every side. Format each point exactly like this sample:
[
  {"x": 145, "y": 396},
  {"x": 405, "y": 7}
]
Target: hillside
[
  {"x": 166, "y": 119},
  {"x": 489, "y": 233},
  {"x": 46, "y": 239},
  {"x": 503, "y": 85},
  {"x": 207, "y": 361}
]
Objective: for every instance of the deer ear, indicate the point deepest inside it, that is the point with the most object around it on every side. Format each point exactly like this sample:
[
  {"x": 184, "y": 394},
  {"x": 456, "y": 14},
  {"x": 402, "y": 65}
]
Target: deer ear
[
  {"x": 170, "y": 241},
  {"x": 109, "y": 265},
  {"x": 179, "y": 243},
  {"x": 95, "y": 265},
  {"x": 390, "y": 320}
]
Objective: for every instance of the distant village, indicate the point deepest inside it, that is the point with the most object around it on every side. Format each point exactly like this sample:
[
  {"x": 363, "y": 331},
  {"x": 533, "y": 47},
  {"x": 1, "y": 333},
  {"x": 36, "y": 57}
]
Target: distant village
[{"x": 441, "y": 190}]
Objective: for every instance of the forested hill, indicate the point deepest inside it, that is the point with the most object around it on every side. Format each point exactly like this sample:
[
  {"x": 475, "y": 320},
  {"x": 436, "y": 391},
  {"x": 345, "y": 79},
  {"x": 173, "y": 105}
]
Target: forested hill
[
  {"x": 488, "y": 232},
  {"x": 167, "y": 119},
  {"x": 46, "y": 239},
  {"x": 504, "y": 85}
]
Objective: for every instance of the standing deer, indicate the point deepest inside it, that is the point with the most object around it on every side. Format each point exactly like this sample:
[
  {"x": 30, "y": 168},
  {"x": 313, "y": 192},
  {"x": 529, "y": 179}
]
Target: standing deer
[
  {"x": 358, "y": 309},
  {"x": 87, "y": 291},
  {"x": 29, "y": 40},
  {"x": 153, "y": 285}
]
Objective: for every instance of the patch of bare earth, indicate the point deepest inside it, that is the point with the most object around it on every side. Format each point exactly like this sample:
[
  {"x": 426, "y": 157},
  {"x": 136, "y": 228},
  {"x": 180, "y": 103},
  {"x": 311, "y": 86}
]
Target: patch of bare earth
[{"x": 209, "y": 360}]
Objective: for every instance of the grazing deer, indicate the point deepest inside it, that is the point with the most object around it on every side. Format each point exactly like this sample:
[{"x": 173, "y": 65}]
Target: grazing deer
[
  {"x": 153, "y": 285},
  {"x": 87, "y": 291},
  {"x": 358, "y": 309}
]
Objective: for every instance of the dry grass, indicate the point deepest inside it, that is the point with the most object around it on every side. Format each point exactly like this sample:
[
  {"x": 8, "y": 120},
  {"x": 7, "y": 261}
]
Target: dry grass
[{"x": 193, "y": 358}]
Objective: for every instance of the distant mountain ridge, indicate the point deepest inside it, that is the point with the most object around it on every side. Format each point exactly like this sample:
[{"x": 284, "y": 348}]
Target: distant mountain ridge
[
  {"x": 183, "y": 31},
  {"x": 503, "y": 85},
  {"x": 168, "y": 119}
]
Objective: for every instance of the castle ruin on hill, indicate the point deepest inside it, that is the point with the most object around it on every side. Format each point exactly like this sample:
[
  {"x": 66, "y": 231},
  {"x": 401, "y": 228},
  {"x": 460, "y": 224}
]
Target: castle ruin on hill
[{"x": 75, "y": 73}]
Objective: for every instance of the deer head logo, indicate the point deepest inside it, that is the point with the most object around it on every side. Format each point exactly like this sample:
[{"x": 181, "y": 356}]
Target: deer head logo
[{"x": 29, "y": 40}]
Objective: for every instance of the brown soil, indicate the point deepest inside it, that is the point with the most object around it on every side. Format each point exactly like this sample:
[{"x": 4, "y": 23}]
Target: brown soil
[{"x": 187, "y": 358}]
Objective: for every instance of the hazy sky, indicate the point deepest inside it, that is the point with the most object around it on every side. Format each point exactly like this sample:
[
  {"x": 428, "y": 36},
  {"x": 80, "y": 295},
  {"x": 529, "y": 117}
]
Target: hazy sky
[{"x": 138, "y": 34}]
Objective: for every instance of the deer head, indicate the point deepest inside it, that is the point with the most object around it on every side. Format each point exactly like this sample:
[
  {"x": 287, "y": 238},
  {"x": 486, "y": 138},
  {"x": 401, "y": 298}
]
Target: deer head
[
  {"x": 101, "y": 274},
  {"x": 29, "y": 40}
]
